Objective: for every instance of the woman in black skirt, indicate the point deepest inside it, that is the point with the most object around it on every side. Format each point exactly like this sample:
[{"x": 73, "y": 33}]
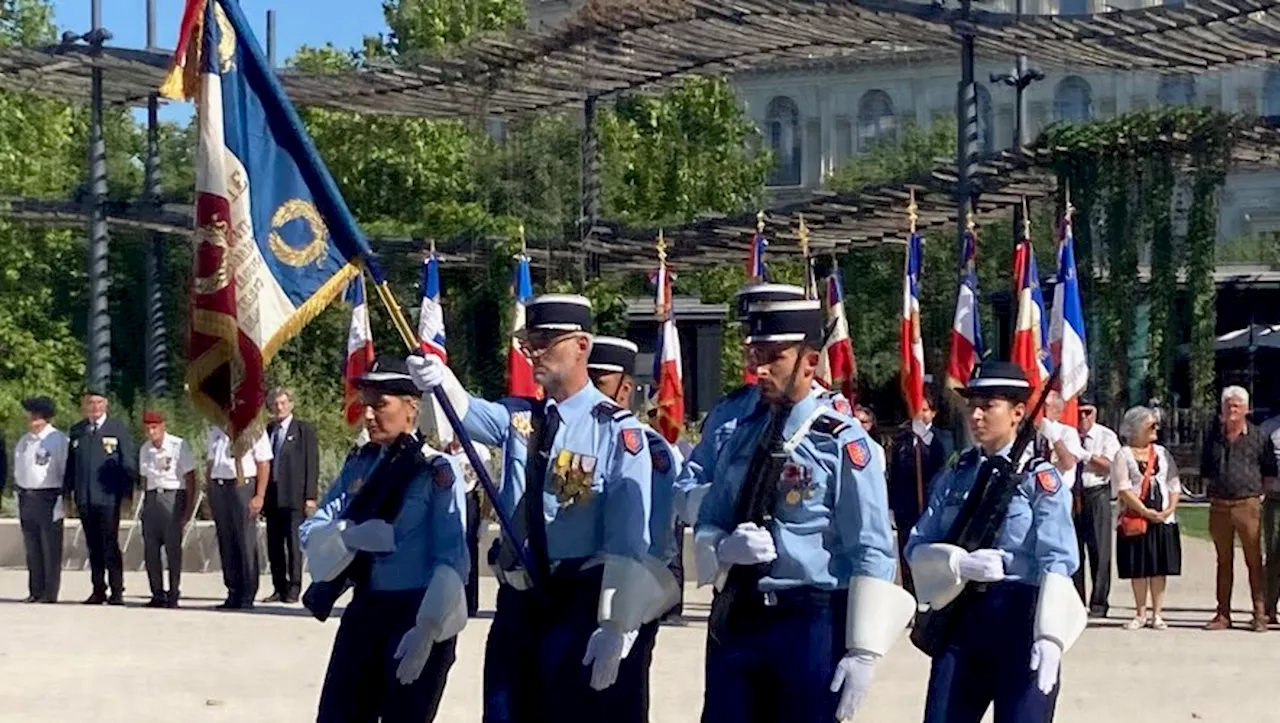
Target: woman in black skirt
[{"x": 1146, "y": 479}]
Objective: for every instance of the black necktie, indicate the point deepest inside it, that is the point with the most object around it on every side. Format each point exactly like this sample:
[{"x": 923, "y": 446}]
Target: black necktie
[{"x": 535, "y": 483}]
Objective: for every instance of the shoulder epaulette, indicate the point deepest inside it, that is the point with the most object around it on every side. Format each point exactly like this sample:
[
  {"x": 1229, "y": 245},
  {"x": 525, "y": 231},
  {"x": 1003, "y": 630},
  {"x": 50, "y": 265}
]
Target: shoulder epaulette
[
  {"x": 612, "y": 411},
  {"x": 830, "y": 425}
]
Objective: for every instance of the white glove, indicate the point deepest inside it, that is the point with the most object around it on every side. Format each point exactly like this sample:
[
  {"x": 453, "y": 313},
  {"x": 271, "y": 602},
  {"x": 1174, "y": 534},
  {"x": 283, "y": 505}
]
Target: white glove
[
  {"x": 413, "y": 651},
  {"x": 1050, "y": 430},
  {"x": 982, "y": 566},
  {"x": 427, "y": 371},
  {"x": 749, "y": 544},
  {"x": 852, "y": 680},
  {"x": 370, "y": 536},
  {"x": 1046, "y": 659},
  {"x": 605, "y": 651}
]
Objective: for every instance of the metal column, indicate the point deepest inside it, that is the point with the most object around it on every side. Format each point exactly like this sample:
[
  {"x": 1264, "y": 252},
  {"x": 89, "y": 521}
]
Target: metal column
[
  {"x": 99, "y": 317},
  {"x": 590, "y": 186},
  {"x": 156, "y": 337}
]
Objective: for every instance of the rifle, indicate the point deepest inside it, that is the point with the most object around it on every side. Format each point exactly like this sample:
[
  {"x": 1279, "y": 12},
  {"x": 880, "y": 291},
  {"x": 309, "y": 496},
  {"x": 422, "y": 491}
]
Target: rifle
[
  {"x": 976, "y": 527},
  {"x": 381, "y": 497}
]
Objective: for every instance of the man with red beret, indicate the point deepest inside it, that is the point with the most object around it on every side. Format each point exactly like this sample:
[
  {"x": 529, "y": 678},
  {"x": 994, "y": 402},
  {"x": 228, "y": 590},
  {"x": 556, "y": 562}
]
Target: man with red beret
[{"x": 168, "y": 471}]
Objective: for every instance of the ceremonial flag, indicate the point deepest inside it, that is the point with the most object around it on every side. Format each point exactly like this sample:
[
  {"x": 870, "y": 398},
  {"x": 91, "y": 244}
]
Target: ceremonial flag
[
  {"x": 668, "y": 373},
  {"x": 966, "y": 332},
  {"x": 359, "y": 349},
  {"x": 1030, "y": 347},
  {"x": 757, "y": 272},
  {"x": 519, "y": 369},
  {"x": 274, "y": 241},
  {"x": 837, "y": 367},
  {"x": 1066, "y": 327},
  {"x": 431, "y": 314},
  {"x": 911, "y": 346}
]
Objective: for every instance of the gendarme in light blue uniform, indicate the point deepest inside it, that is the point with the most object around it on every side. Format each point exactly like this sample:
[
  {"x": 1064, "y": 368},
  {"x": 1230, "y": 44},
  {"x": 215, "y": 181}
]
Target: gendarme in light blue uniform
[
  {"x": 719, "y": 425},
  {"x": 430, "y": 529},
  {"x": 1037, "y": 531},
  {"x": 831, "y": 515},
  {"x": 597, "y": 498},
  {"x": 666, "y": 462}
]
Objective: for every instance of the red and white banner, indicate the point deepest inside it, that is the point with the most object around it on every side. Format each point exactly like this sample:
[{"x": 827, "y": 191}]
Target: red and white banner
[
  {"x": 837, "y": 367},
  {"x": 359, "y": 349},
  {"x": 668, "y": 373},
  {"x": 911, "y": 345}
]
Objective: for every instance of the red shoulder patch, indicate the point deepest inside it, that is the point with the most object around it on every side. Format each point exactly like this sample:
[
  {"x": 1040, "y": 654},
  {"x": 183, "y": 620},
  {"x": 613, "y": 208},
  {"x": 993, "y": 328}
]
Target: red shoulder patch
[
  {"x": 842, "y": 406},
  {"x": 632, "y": 441},
  {"x": 1048, "y": 480},
  {"x": 859, "y": 453}
]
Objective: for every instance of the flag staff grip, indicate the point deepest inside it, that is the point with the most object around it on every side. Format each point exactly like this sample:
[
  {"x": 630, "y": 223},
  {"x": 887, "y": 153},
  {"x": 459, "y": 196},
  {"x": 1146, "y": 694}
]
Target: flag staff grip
[{"x": 482, "y": 472}]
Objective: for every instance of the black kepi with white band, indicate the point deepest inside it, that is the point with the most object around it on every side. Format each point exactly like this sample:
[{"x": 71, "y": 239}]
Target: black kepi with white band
[
  {"x": 562, "y": 313},
  {"x": 389, "y": 375},
  {"x": 611, "y": 355},
  {"x": 785, "y": 322},
  {"x": 761, "y": 293},
  {"x": 998, "y": 380}
]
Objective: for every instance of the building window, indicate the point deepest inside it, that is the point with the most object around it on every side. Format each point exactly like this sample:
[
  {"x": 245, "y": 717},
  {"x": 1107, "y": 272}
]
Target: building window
[
  {"x": 875, "y": 119},
  {"x": 1073, "y": 7},
  {"x": 782, "y": 133},
  {"x": 1073, "y": 100},
  {"x": 1271, "y": 93},
  {"x": 1177, "y": 90}
]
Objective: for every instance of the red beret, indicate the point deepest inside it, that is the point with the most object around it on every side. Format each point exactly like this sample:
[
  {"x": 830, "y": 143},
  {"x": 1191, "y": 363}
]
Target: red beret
[{"x": 152, "y": 416}]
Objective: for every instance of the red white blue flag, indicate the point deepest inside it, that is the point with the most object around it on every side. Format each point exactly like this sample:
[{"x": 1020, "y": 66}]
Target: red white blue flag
[
  {"x": 431, "y": 314},
  {"x": 1068, "y": 350},
  {"x": 966, "y": 332},
  {"x": 668, "y": 372},
  {"x": 1030, "y": 347},
  {"x": 359, "y": 349},
  {"x": 837, "y": 367},
  {"x": 757, "y": 271},
  {"x": 519, "y": 369},
  {"x": 911, "y": 345}
]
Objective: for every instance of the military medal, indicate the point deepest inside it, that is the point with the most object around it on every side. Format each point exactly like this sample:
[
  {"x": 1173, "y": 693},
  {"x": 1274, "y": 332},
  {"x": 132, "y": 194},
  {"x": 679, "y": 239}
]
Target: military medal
[
  {"x": 109, "y": 444},
  {"x": 522, "y": 422}
]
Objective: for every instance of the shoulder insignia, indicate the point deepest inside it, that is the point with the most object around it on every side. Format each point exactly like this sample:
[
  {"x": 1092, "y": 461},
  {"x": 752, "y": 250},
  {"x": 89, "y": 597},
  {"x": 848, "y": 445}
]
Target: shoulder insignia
[
  {"x": 1048, "y": 480},
  {"x": 841, "y": 405},
  {"x": 859, "y": 453},
  {"x": 829, "y": 425},
  {"x": 522, "y": 422},
  {"x": 612, "y": 411},
  {"x": 632, "y": 440}
]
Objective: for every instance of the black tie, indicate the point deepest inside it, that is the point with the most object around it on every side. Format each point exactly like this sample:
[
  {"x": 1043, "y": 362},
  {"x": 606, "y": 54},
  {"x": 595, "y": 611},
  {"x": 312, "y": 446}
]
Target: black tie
[{"x": 535, "y": 483}]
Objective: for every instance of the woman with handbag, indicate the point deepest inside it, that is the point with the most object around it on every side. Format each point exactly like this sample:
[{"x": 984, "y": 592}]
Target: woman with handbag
[{"x": 1148, "y": 544}]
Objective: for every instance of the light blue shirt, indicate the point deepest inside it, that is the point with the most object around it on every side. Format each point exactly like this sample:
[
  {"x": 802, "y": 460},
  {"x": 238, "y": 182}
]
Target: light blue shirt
[
  {"x": 662, "y": 519},
  {"x": 430, "y": 529},
  {"x": 598, "y": 491},
  {"x": 1037, "y": 530},
  {"x": 831, "y": 513},
  {"x": 719, "y": 425}
]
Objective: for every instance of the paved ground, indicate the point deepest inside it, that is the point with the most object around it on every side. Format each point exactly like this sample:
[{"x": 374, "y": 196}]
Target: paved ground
[{"x": 197, "y": 665}]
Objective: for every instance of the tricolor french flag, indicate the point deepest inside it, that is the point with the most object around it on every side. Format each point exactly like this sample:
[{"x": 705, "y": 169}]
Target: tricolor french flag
[
  {"x": 359, "y": 349},
  {"x": 431, "y": 314},
  {"x": 757, "y": 272},
  {"x": 1068, "y": 350},
  {"x": 911, "y": 345},
  {"x": 966, "y": 332},
  {"x": 519, "y": 369},
  {"x": 1030, "y": 347},
  {"x": 668, "y": 374},
  {"x": 837, "y": 367}
]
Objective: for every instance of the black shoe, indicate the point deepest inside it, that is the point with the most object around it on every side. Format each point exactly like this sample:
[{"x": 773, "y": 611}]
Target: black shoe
[
  {"x": 245, "y": 605},
  {"x": 289, "y": 599},
  {"x": 1098, "y": 612},
  {"x": 675, "y": 621},
  {"x": 156, "y": 602},
  {"x": 30, "y": 599},
  {"x": 50, "y": 601},
  {"x": 116, "y": 600},
  {"x": 229, "y": 605},
  {"x": 274, "y": 597},
  {"x": 171, "y": 600},
  {"x": 97, "y": 598}
]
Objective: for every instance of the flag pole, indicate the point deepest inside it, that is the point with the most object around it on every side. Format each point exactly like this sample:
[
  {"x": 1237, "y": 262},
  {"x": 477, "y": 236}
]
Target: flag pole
[
  {"x": 810, "y": 283},
  {"x": 482, "y": 472},
  {"x": 912, "y": 218}
]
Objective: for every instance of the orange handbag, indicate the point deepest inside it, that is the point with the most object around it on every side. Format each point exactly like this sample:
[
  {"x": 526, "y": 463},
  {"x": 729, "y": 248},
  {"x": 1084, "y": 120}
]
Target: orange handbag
[{"x": 1130, "y": 523}]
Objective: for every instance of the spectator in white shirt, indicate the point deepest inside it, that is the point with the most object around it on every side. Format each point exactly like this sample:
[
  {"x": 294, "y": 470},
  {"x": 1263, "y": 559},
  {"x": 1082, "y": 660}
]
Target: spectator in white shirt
[
  {"x": 1058, "y": 443},
  {"x": 38, "y": 463},
  {"x": 1094, "y": 523},
  {"x": 236, "y": 506},
  {"x": 168, "y": 471}
]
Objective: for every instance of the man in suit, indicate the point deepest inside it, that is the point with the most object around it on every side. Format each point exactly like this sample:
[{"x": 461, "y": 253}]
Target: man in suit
[
  {"x": 920, "y": 450},
  {"x": 291, "y": 494},
  {"x": 101, "y": 467}
]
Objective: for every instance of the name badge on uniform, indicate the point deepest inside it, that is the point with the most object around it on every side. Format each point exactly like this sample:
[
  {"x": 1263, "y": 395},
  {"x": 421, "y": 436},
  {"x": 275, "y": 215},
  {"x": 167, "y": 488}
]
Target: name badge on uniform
[
  {"x": 796, "y": 483},
  {"x": 522, "y": 422},
  {"x": 109, "y": 444}
]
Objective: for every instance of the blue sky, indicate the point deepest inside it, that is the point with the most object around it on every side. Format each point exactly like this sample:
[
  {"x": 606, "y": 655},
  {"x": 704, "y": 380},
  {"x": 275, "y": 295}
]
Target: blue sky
[{"x": 298, "y": 23}]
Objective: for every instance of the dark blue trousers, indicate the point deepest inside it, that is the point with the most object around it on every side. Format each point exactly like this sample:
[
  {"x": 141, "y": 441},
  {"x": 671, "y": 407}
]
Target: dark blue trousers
[
  {"x": 360, "y": 685},
  {"x": 775, "y": 664},
  {"x": 988, "y": 661},
  {"x": 533, "y": 671}
]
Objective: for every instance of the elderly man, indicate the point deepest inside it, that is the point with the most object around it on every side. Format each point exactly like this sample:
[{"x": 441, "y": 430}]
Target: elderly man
[
  {"x": 236, "y": 504},
  {"x": 1094, "y": 526},
  {"x": 38, "y": 462},
  {"x": 1238, "y": 464},
  {"x": 291, "y": 494},
  {"x": 168, "y": 470}
]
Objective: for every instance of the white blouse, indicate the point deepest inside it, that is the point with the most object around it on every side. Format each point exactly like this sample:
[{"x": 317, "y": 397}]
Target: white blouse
[{"x": 1127, "y": 476}]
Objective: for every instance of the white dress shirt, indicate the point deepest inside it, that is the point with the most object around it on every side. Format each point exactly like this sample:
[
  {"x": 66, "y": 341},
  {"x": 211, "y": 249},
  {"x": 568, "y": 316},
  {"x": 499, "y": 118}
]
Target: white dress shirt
[
  {"x": 39, "y": 459},
  {"x": 1053, "y": 432},
  {"x": 1099, "y": 441},
  {"x": 1124, "y": 470},
  {"x": 166, "y": 467},
  {"x": 219, "y": 455}
]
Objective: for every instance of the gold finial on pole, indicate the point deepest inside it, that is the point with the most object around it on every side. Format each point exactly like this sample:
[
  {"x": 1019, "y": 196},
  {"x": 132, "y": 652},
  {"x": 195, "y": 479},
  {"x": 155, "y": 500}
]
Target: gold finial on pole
[
  {"x": 803, "y": 234},
  {"x": 662, "y": 248},
  {"x": 1026, "y": 219},
  {"x": 969, "y": 224},
  {"x": 433, "y": 247},
  {"x": 760, "y": 222},
  {"x": 913, "y": 214},
  {"x": 524, "y": 247},
  {"x": 1066, "y": 212}
]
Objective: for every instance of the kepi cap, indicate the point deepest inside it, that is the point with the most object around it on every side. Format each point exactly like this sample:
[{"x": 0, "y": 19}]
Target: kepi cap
[
  {"x": 563, "y": 313},
  {"x": 998, "y": 380},
  {"x": 759, "y": 293},
  {"x": 389, "y": 375},
  {"x": 785, "y": 322},
  {"x": 611, "y": 355}
]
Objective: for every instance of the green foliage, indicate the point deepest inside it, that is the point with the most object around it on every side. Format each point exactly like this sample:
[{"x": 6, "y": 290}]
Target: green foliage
[
  {"x": 914, "y": 153},
  {"x": 419, "y": 26}
]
